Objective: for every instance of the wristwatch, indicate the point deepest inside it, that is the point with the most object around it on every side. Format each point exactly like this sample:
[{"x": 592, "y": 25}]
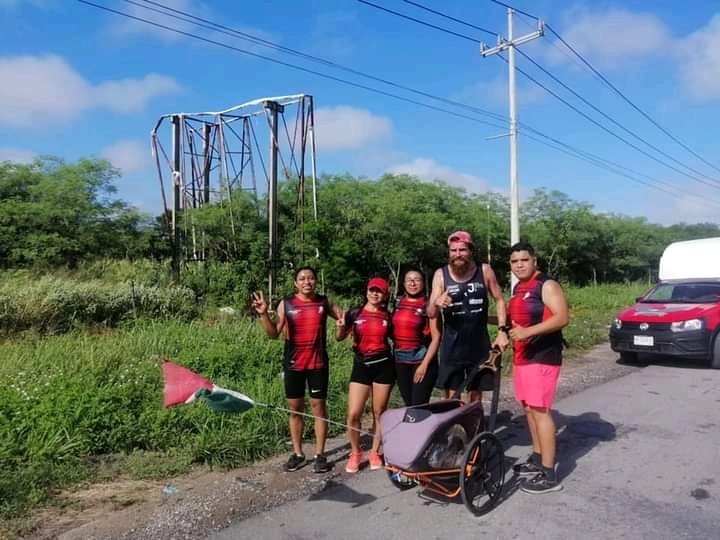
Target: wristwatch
[{"x": 505, "y": 328}]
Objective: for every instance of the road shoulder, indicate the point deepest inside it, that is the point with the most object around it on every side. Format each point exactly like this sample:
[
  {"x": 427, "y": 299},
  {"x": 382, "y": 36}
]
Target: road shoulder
[{"x": 193, "y": 505}]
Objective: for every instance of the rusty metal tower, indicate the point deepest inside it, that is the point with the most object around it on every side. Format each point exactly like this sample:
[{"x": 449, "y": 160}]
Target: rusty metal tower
[{"x": 202, "y": 158}]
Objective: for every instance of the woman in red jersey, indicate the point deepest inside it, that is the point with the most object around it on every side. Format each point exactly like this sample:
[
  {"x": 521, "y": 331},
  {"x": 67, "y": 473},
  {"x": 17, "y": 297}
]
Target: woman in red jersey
[
  {"x": 373, "y": 368},
  {"x": 416, "y": 339},
  {"x": 303, "y": 317}
]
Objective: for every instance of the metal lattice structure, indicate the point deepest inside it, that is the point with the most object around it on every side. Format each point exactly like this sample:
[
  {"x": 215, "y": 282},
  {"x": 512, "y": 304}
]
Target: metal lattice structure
[{"x": 202, "y": 158}]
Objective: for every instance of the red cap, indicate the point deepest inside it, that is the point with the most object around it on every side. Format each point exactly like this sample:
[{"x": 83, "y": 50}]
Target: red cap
[
  {"x": 378, "y": 283},
  {"x": 461, "y": 236}
]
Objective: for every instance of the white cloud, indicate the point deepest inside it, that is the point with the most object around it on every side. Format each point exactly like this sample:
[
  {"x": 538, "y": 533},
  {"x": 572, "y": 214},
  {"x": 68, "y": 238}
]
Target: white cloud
[
  {"x": 430, "y": 170},
  {"x": 16, "y": 155},
  {"x": 349, "y": 128},
  {"x": 129, "y": 155},
  {"x": 699, "y": 55},
  {"x": 668, "y": 210},
  {"x": 609, "y": 38},
  {"x": 37, "y": 90},
  {"x": 131, "y": 95}
]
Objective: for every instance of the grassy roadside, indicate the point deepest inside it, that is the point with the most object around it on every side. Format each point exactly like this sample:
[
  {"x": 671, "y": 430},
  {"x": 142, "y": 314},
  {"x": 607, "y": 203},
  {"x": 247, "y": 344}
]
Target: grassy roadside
[{"x": 87, "y": 406}]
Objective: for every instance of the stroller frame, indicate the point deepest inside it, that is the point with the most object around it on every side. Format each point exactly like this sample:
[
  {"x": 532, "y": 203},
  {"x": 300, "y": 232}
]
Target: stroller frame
[{"x": 479, "y": 478}]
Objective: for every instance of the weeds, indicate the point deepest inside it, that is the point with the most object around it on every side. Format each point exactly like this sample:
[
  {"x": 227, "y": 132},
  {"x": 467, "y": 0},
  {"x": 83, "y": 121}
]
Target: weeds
[
  {"x": 51, "y": 305},
  {"x": 81, "y": 406}
]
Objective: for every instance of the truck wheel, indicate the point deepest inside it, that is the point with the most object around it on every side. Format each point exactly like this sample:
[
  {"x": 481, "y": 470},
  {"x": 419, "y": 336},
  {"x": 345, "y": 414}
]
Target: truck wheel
[
  {"x": 628, "y": 358},
  {"x": 715, "y": 353}
]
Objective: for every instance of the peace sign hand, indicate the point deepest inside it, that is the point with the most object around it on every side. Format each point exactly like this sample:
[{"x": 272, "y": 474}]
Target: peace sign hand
[{"x": 258, "y": 303}]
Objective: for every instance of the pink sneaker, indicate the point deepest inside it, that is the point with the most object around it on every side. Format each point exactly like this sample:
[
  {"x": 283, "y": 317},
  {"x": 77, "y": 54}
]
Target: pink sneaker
[
  {"x": 376, "y": 462},
  {"x": 353, "y": 464}
]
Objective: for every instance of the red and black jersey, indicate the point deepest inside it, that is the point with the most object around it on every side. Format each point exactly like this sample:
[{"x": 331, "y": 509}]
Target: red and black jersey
[
  {"x": 305, "y": 332},
  {"x": 410, "y": 327},
  {"x": 371, "y": 331},
  {"x": 526, "y": 308}
]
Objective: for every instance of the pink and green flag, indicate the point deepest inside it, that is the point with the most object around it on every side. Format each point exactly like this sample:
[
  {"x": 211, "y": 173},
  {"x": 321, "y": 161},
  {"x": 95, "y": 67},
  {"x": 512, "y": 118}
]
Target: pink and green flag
[{"x": 183, "y": 386}]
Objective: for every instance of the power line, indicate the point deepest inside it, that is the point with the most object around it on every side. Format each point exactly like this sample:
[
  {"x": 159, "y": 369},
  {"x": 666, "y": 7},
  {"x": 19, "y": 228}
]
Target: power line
[
  {"x": 584, "y": 115},
  {"x": 619, "y": 137},
  {"x": 613, "y": 87},
  {"x": 287, "y": 64},
  {"x": 540, "y": 137},
  {"x": 610, "y": 166},
  {"x": 520, "y": 11},
  {"x": 606, "y": 116},
  {"x": 194, "y": 19},
  {"x": 557, "y": 144},
  {"x": 424, "y": 23},
  {"x": 205, "y": 23},
  {"x": 629, "y": 102},
  {"x": 448, "y": 17}
]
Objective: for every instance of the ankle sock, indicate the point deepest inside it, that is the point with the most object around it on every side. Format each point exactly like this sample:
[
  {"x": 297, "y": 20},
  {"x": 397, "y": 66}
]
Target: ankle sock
[{"x": 549, "y": 473}]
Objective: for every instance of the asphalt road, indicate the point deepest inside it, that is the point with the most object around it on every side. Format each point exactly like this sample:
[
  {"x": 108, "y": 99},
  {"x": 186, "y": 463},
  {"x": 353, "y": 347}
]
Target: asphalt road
[{"x": 638, "y": 457}]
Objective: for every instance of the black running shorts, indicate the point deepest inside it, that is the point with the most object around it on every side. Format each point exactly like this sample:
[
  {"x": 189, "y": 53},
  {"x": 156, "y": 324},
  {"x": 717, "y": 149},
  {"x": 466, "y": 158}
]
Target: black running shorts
[
  {"x": 316, "y": 381},
  {"x": 367, "y": 374}
]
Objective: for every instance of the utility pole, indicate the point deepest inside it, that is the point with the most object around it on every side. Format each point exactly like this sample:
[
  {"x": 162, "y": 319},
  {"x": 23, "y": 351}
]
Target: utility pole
[
  {"x": 509, "y": 44},
  {"x": 177, "y": 181},
  {"x": 207, "y": 163},
  {"x": 273, "y": 107}
]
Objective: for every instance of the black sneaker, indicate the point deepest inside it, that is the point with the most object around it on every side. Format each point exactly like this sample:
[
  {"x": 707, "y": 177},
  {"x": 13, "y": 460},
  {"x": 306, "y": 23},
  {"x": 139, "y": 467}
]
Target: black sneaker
[
  {"x": 540, "y": 483},
  {"x": 294, "y": 462},
  {"x": 528, "y": 468},
  {"x": 321, "y": 464}
]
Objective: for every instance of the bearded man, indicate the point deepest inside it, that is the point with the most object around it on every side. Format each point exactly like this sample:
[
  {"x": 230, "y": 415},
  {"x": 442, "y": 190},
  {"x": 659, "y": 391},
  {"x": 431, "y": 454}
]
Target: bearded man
[{"x": 460, "y": 293}]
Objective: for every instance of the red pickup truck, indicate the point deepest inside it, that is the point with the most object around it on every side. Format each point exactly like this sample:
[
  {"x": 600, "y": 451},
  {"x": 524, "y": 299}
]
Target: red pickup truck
[{"x": 680, "y": 315}]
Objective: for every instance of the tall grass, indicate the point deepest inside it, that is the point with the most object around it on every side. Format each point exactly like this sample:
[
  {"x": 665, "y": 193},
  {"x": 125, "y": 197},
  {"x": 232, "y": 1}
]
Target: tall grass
[
  {"x": 50, "y": 304},
  {"x": 70, "y": 399},
  {"x": 74, "y": 404},
  {"x": 592, "y": 310}
]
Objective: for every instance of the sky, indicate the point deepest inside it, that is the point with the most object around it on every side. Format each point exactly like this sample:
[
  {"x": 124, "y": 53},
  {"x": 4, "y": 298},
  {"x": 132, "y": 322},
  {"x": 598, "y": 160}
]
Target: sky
[{"x": 78, "y": 81}]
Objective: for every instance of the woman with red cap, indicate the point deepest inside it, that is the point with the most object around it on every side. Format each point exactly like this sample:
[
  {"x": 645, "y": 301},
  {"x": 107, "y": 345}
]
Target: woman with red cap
[{"x": 373, "y": 368}]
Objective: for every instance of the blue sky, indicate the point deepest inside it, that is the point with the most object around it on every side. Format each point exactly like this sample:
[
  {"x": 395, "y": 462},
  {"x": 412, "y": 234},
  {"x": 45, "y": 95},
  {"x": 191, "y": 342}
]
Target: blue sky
[{"x": 78, "y": 81}]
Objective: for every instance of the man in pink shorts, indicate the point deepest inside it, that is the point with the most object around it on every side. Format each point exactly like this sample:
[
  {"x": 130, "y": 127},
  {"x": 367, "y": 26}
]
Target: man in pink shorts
[{"x": 538, "y": 312}]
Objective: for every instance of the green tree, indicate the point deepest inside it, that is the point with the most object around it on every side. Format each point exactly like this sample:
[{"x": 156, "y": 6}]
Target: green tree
[{"x": 53, "y": 213}]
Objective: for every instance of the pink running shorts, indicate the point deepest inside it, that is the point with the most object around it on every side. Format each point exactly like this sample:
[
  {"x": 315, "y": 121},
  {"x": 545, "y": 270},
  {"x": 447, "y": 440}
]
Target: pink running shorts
[{"x": 535, "y": 384}]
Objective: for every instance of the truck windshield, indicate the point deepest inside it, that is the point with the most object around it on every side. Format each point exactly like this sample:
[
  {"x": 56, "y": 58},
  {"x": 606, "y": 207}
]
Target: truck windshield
[{"x": 684, "y": 293}]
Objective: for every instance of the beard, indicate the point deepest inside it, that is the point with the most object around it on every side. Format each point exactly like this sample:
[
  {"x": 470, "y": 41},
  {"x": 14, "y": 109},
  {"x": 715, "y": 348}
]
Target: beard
[{"x": 460, "y": 264}]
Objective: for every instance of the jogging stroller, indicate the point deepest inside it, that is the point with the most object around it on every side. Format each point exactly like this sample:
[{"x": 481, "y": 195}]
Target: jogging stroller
[{"x": 444, "y": 446}]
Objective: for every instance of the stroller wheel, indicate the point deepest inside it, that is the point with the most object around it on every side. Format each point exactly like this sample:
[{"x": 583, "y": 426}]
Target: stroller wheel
[
  {"x": 482, "y": 475},
  {"x": 400, "y": 481}
]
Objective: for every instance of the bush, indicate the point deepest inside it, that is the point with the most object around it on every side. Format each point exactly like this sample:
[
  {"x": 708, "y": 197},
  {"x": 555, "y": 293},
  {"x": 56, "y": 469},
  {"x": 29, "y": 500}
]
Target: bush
[{"x": 53, "y": 305}]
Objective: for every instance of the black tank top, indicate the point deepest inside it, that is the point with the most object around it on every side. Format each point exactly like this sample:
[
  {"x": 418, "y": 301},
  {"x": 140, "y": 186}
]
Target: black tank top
[{"x": 465, "y": 339}]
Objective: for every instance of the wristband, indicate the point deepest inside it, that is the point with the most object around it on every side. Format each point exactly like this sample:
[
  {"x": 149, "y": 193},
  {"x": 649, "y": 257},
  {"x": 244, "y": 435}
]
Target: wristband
[{"x": 504, "y": 328}]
